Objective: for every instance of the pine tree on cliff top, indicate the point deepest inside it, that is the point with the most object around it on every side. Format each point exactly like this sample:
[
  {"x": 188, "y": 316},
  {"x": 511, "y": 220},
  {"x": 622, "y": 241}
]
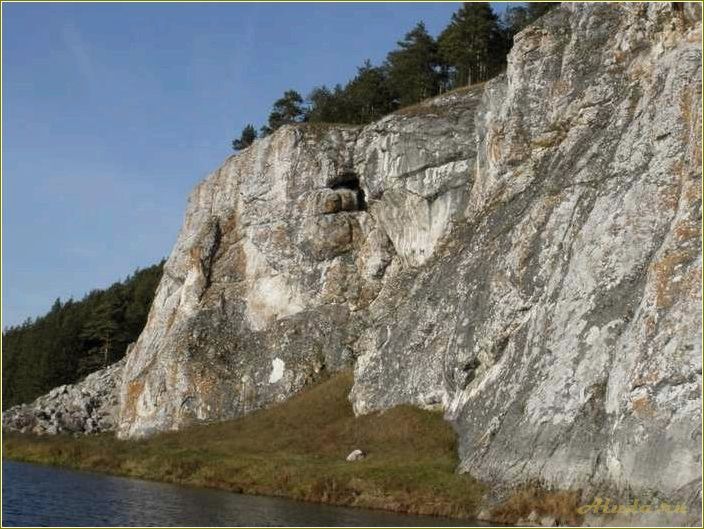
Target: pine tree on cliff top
[
  {"x": 414, "y": 68},
  {"x": 368, "y": 96},
  {"x": 472, "y": 44},
  {"x": 247, "y": 137},
  {"x": 286, "y": 110}
]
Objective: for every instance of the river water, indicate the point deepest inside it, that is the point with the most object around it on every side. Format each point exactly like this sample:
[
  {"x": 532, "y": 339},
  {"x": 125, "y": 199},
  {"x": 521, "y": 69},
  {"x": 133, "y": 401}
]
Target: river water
[{"x": 37, "y": 495}]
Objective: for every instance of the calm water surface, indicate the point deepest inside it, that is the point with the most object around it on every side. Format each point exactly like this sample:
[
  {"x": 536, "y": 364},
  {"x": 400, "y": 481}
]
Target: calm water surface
[{"x": 38, "y": 495}]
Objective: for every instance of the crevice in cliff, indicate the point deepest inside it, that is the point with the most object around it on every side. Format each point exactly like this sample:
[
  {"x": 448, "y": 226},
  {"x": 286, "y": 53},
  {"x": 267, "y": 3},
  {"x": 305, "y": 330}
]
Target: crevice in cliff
[{"x": 349, "y": 180}]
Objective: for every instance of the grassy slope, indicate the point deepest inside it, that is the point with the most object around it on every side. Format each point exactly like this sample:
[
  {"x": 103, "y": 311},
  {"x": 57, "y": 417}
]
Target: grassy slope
[{"x": 296, "y": 449}]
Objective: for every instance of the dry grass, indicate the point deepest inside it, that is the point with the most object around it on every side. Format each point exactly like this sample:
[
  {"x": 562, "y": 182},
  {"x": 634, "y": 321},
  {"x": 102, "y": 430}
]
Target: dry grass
[
  {"x": 421, "y": 109},
  {"x": 466, "y": 88},
  {"x": 296, "y": 449},
  {"x": 426, "y": 107},
  {"x": 318, "y": 130},
  {"x": 562, "y": 505}
]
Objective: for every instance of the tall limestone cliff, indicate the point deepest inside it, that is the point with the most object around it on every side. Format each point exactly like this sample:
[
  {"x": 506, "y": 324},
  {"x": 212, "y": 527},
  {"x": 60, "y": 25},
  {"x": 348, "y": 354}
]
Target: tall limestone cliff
[{"x": 524, "y": 255}]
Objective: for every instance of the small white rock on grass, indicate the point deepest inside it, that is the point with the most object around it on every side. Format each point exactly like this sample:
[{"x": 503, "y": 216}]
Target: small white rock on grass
[{"x": 356, "y": 455}]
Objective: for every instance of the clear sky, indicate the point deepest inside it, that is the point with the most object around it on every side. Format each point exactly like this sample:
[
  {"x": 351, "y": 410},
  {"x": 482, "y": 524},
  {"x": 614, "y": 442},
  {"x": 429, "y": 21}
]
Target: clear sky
[{"x": 112, "y": 112}]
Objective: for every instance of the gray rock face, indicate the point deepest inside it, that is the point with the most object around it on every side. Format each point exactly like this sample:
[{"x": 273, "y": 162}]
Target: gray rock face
[
  {"x": 588, "y": 334},
  {"x": 282, "y": 252},
  {"x": 559, "y": 325},
  {"x": 524, "y": 255},
  {"x": 89, "y": 406}
]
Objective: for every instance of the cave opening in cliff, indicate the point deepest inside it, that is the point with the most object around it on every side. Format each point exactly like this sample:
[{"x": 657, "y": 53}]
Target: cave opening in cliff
[{"x": 350, "y": 180}]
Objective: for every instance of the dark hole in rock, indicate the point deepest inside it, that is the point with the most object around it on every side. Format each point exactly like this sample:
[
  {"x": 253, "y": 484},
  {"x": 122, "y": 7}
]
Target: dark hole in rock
[
  {"x": 471, "y": 365},
  {"x": 350, "y": 180}
]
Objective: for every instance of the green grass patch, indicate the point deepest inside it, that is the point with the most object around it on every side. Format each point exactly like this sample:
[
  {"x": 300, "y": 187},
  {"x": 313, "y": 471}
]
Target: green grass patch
[{"x": 295, "y": 449}]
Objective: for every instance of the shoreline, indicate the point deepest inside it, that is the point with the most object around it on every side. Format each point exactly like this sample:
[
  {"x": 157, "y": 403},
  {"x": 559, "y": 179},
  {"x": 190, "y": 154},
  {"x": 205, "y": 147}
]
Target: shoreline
[
  {"x": 471, "y": 518},
  {"x": 297, "y": 450}
]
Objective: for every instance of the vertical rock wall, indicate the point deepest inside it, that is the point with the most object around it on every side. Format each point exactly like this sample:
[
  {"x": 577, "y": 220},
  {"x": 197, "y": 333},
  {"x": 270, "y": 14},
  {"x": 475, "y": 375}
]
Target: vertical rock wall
[{"x": 524, "y": 255}]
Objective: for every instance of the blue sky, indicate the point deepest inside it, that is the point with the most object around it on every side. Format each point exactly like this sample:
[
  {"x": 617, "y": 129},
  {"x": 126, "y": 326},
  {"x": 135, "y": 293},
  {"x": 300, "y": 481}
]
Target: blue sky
[{"x": 112, "y": 112}]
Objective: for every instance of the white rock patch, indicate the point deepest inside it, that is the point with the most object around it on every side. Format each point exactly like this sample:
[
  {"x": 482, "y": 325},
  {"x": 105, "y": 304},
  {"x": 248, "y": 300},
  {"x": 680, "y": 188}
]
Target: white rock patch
[{"x": 277, "y": 370}]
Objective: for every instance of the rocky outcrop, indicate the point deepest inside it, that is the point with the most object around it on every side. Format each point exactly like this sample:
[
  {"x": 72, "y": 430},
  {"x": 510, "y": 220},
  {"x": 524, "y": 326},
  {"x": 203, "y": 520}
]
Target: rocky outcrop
[
  {"x": 89, "y": 406},
  {"x": 559, "y": 325},
  {"x": 282, "y": 253},
  {"x": 523, "y": 255}
]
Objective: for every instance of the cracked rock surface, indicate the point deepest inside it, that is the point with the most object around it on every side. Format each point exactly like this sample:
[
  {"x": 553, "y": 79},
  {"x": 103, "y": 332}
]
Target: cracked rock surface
[
  {"x": 523, "y": 255},
  {"x": 88, "y": 407},
  {"x": 280, "y": 268}
]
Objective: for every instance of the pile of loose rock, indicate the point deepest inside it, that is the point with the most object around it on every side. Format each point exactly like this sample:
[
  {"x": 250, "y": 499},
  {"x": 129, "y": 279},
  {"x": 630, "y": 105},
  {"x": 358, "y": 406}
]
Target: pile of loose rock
[{"x": 88, "y": 406}]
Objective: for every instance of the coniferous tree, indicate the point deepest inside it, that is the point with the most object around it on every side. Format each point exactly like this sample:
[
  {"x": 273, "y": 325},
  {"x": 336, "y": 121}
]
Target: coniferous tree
[
  {"x": 247, "y": 137},
  {"x": 513, "y": 20},
  {"x": 516, "y": 18},
  {"x": 538, "y": 9},
  {"x": 415, "y": 71},
  {"x": 104, "y": 331},
  {"x": 75, "y": 337},
  {"x": 368, "y": 96},
  {"x": 472, "y": 44},
  {"x": 328, "y": 106},
  {"x": 471, "y": 49},
  {"x": 286, "y": 110}
]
